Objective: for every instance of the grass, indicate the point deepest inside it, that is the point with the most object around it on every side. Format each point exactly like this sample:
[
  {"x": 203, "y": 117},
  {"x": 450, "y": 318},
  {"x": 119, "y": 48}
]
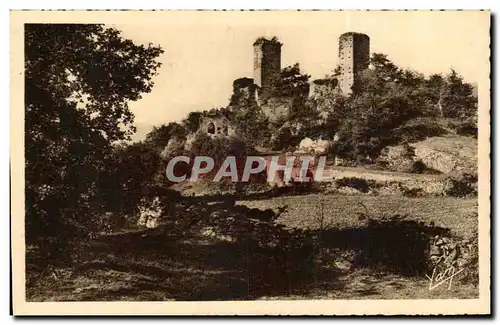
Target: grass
[
  {"x": 342, "y": 210},
  {"x": 148, "y": 266}
]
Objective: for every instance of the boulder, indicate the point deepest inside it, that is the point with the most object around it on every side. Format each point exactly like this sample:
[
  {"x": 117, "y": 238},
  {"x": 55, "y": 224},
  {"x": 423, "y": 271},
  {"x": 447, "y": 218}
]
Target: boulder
[{"x": 319, "y": 146}]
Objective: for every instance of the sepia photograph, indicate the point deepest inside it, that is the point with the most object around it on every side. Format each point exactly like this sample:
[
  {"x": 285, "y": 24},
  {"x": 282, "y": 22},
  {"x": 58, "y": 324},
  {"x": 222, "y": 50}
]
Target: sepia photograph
[{"x": 250, "y": 162}]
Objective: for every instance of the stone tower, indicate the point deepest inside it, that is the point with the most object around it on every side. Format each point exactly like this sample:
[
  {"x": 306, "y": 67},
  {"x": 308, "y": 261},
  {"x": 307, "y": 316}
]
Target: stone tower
[
  {"x": 354, "y": 57},
  {"x": 267, "y": 62}
]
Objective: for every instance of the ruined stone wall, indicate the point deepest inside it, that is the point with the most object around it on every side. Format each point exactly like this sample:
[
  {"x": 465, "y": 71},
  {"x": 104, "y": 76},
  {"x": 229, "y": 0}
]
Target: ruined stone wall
[
  {"x": 354, "y": 56},
  {"x": 216, "y": 126},
  {"x": 277, "y": 108},
  {"x": 323, "y": 87},
  {"x": 244, "y": 92},
  {"x": 323, "y": 93}
]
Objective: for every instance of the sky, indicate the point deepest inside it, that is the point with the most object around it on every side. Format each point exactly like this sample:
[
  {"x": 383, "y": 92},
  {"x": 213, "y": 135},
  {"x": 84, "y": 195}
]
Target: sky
[{"x": 206, "y": 51}]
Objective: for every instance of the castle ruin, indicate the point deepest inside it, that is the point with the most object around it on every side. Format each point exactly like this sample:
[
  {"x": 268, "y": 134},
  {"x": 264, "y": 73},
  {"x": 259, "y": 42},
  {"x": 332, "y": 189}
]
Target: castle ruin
[
  {"x": 216, "y": 125},
  {"x": 266, "y": 63},
  {"x": 354, "y": 57}
]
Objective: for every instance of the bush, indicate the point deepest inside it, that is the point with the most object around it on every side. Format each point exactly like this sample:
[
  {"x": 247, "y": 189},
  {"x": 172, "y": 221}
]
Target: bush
[
  {"x": 219, "y": 149},
  {"x": 447, "y": 252},
  {"x": 418, "y": 167},
  {"x": 360, "y": 184},
  {"x": 419, "y": 130},
  {"x": 464, "y": 128},
  {"x": 284, "y": 139},
  {"x": 462, "y": 185},
  {"x": 411, "y": 192}
]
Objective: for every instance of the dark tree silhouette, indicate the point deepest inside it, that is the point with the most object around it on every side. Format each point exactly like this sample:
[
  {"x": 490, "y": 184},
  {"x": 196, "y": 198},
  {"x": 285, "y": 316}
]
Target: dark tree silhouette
[{"x": 78, "y": 81}]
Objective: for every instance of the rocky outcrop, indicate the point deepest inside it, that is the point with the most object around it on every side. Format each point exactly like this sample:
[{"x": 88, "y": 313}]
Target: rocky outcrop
[
  {"x": 448, "y": 154},
  {"x": 398, "y": 158}
]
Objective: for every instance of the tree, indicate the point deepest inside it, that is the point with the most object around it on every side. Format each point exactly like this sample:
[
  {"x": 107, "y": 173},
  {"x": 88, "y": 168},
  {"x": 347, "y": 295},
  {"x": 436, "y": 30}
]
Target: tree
[
  {"x": 135, "y": 172},
  {"x": 79, "y": 79},
  {"x": 450, "y": 96},
  {"x": 219, "y": 149},
  {"x": 251, "y": 124},
  {"x": 435, "y": 87},
  {"x": 292, "y": 84},
  {"x": 457, "y": 97},
  {"x": 159, "y": 137},
  {"x": 386, "y": 70},
  {"x": 384, "y": 97}
]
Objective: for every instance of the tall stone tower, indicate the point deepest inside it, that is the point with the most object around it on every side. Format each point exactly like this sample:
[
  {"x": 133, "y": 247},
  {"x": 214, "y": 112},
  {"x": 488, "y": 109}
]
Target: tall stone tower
[
  {"x": 266, "y": 62},
  {"x": 354, "y": 57}
]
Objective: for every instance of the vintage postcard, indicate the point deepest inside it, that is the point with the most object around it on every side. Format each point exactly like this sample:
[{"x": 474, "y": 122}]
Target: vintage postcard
[{"x": 250, "y": 162}]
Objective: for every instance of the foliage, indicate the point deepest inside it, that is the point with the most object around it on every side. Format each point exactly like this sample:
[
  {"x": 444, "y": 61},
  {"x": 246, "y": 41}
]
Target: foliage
[
  {"x": 410, "y": 192},
  {"x": 462, "y": 185},
  {"x": 137, "y": 172},
  {"x": 192, "y": 122},
  {"x": 293, "y": 84},
  {"x": 417, "y": 129},
  {"x": 460, "y": 255},
  {"x": 283, "y": 139},
  {"x": 219, "y": 149},
  {"x": 457, "y": 97},
  {"x": 385, "y": 97},
  {"x": 360, "y": 184},
  {"x": 464, "y": 128},
  {"x": 79, "y": 80},
  {"x": 159, "y": 137},
  {"x": 418, "y": 167},
  {"x": 251, "y": 124}
]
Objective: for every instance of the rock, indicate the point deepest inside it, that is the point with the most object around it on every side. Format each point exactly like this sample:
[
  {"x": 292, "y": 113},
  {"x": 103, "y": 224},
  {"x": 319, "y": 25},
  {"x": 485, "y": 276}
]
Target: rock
[
  {"x": 189, "y": 141},
  {"x": 343, "y": 265},
  {"x": 435, "y": 250},
  {"x": 149, "y": 213},
  {"x": 309, "y": 145},
  {"x": 174, "y": 146},
  {"x": 448, "y": 154},
  {"x": 398, "y": 158},
  {"x": 215, "y": 234}
]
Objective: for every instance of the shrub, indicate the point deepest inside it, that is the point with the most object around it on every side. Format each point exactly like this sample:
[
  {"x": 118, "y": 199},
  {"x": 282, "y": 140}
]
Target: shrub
[
  {"x": 418, "y": 167},
  {"x": 284, "y": 139},
  {"x": 411, "y": 192},
  {"x": 462, "y": 185},
  {"x": 447, "y": 252},
  {"x": 360, "y": 184},
  {"x": 465, "y": 128},
  {"x": 421, "y": 129},
  {"x": 219, "y": 149}
]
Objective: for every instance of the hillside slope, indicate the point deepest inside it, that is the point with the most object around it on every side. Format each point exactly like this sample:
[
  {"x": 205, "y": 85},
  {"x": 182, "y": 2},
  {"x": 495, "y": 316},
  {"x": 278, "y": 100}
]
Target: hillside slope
[{"x": 448, "y": 153}]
